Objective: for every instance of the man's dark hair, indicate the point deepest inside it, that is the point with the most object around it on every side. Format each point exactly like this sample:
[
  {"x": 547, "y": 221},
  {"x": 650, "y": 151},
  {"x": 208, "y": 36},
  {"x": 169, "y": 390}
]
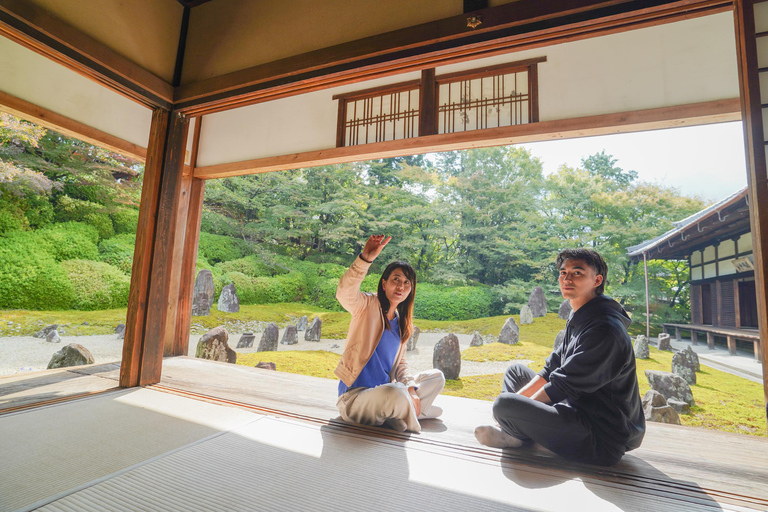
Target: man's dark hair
[{"x": 591, "y": 258}]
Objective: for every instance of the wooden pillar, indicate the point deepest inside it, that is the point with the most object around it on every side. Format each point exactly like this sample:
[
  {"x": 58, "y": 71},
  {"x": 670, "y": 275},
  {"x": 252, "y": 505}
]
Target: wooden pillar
[
  {"x": 428, "y": 103},
  {"x": 157, "y": 261},
  {"x": 677, "y": 334},
  {"x": 731, "y": 341},
  {"x": 694, "y": 338},
  {"x": 710, "y": 341},
  {"x": 757, "y": 173}
]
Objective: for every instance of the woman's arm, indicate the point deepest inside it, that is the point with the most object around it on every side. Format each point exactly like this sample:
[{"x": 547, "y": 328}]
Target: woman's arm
[{"x": 348, "y": 292}]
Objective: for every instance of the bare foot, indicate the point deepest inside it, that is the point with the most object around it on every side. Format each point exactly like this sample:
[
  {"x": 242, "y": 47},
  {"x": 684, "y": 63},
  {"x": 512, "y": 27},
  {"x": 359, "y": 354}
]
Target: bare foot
[{"x": 494, "y": 437}]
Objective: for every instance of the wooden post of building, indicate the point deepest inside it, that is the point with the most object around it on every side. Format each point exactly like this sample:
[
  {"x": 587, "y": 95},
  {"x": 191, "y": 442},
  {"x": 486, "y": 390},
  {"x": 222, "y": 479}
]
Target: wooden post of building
[
  {"x": 647, "y": 300},
  {"x": 757, "y": 173},
  {"x": 153, "y": 300}
]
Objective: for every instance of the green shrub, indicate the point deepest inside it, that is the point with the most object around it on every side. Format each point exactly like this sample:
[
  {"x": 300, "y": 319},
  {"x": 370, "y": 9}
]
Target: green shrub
[
  {"x": 70, "y": 240},
  {"x": 125, "y": 220},
  {"x": 217, "y": 248},
  {"x": 97, "y": 285},
  {"x": 218, "y": 224},
  {"x": 118, "y": 251},
  {"x": 293, "y": 287},
  {"x": 452, "y": 303},
  {"x": 324, "y": 294},
  {"x": 31, "y": 279},
  {"x": 251, "y": 265},
  {"x": 10, "y": 221},
  {"x": 102, "y": 223}
]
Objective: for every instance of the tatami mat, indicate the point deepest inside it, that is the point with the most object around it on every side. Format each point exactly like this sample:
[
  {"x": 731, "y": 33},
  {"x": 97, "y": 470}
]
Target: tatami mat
[
  {"x": 55, "y": 449},
  {"x": 278, "y": 464}
]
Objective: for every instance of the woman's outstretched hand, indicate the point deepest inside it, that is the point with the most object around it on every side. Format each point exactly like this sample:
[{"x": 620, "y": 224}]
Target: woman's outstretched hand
[{"x": 373, "y": 246}]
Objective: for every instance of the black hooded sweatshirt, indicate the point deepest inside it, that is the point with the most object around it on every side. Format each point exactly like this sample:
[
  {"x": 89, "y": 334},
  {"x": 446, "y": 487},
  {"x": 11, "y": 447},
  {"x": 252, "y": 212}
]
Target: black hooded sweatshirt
[{"x": 593, "y": 372}]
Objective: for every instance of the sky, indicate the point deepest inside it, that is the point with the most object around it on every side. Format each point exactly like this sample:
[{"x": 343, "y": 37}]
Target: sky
[{"x": 706, "y": 161}]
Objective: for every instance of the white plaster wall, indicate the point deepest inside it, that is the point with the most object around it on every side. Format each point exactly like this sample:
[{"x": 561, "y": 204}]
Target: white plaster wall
[
  {"x": 38, "y": 80},
  {"x": 674, "y": 64}
]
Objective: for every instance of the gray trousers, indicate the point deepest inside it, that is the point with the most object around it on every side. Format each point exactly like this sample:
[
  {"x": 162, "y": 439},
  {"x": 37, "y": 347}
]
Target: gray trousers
[{"x": 559, "y": 427}]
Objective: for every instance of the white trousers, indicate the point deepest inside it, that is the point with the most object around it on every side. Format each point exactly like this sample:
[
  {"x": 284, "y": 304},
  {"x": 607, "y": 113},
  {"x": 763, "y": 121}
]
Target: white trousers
[{"x": 391, "y": 403}]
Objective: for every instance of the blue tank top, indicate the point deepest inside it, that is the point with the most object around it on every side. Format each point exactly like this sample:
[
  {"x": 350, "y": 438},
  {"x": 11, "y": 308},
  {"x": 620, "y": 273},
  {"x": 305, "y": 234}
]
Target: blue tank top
[{"x": 376, "y": 370}]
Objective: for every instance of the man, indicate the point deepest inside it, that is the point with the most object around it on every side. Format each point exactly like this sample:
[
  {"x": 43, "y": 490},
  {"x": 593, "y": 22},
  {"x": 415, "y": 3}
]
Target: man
[{"x": 585, "y": 404}]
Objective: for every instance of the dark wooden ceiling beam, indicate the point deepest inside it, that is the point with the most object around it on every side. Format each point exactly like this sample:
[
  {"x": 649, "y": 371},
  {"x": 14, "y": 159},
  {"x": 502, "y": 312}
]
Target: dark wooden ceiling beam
[
  {"x": 36, "y": 29},
  {"x": 519, "y": 25}
]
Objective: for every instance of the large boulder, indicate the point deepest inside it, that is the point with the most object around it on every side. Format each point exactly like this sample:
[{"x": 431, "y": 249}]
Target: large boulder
[
  {"x": 671, "y": 386},
  {"x": 73, "y": 354},
  {"x": 559, "y": 339},
  {"x": 684, "y": 367},
  {"x": 477, "y": 340},
  {"x": 564, "y": 312},
  {"x": 414, "y": 339},
  {"x": 692, "y": 358},
  {"x": 314, "y": 330},
  {"x": 43, "y": 333},
  {"x": 246, "y": 340},
  {"x": 655, "y": 408},
  {"x": 203, "y": 293},
  {"x": 301, "y": 325},
  {"x": 641, "y": 347},
  {"x": 665, "y": 341},
  {"x": 53, "y": 337},
  {"x": 290, "y": 336},
  {"x": 510, "y": 333},
  {"x": 213, "y": 345},
  {"x": 268, "y": 342},
  {"x": 228, "y": 300},
  {"x": 446, "y": 357},
  {"x": 526, "y": 315},
  {"x": 537, "y": 302}
]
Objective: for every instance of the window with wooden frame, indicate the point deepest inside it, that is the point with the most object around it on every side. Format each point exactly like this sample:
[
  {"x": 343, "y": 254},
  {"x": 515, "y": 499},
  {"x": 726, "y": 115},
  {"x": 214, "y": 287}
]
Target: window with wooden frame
[{"x": 477, "y": 99}]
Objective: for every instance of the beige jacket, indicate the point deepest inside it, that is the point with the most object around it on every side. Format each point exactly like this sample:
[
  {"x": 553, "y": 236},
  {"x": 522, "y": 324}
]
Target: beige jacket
[{"x": 365, "y": 329}]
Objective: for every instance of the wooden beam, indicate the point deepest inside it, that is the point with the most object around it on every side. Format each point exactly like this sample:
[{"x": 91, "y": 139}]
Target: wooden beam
[
  {"x": 69, "y": 127},
  {"x": 757, "y": 170},
  {"x": 33, "y": 27},
  {"x": 428, "y": 103},
  {"x": 515, "y": 26},
  {"x": 641, "y": 120}
]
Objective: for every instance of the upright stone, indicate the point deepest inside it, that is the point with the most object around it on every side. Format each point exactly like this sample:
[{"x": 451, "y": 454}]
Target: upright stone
[
  {"x": 672, "y": 386},
  {"x": 228, "y": 300},
  {"x": 414, "y": 339},
  {"x": 559, "y": 340},
  {"x": 314, "y": 331},
  {"x": 655, "y": 408},
  {"x": 664, "y": 341},
  {"x": 537, "y": 302},
  {"x": 477, "y": 340},
  {"x": 43, "y": 333},
  {"x": 684, "y": 367},
  {"x": 269, "y": 337},
  {"x": 692, "y": 358},
  {"x": 526, "y": 315},
  {"x": 510, "y": 333},
  {"x": 641, "y": 347},
  {"x": 53, "y": 337},
  {"x": 301, "y": 325},
  {"x": 120, "y": 329},
  {"x": 213, "y": 345},
  {"x": 290, "y": 336},
  {"x": 73, "y": 354},
  {"x": 202, "y": 295},
  {"x": 446, "y": 357},
  {"x": 564, "y": 312},
  {"x": 246, "y": 340}
]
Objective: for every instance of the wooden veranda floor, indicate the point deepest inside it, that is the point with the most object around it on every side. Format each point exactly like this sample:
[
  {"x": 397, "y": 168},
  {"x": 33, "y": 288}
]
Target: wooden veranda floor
[{"x": 203, "y": 415}]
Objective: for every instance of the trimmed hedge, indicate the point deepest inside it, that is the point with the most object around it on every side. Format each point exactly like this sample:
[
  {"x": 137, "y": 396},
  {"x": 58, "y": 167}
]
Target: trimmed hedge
[
  {"x": 452, "y": 303},
  {"x": 31, "y": 279},
  {"x": 217, "y": 248},
  {"x": 251, "y": 265},
  {"x": 97, "y": 285},
  {"x": 125, "y": 220},
  {"x": 118, "y": 251}
]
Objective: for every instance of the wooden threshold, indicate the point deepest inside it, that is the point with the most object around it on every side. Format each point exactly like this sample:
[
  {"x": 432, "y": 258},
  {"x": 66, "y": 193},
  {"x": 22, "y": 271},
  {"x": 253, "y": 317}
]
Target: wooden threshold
[
  {"x": 640, "y": 120},
  {"x": 69, "y": 127}
]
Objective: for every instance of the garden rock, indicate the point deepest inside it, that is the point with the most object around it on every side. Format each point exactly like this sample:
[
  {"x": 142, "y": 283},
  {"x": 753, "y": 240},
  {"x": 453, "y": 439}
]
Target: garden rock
[
  {"x": 559, "y": 340},
  {"x": 213, "y": 345},
  {"x": 680, "y": 407},
  {"x": 692, "y": 358},
  {"x": 246, "y": 340},
  {"x": 301, "y": 325},
  {"x": 53, "y": 337},
  {"x": 315, "y": 328},
  {"x": 290, "y": 336},
  {"x": 510, "y": 333},
  {"x": 120, "y": 329},
  {"x": 446, "y": 357},
  {"x": 641, "y": 347},
  {"x": 477, "y": 340},
  {"x": 537, "y": 302},
  {"x": 203, "y": 293},
  {"x": 43, "y": 333},
  {"x": 526, "y": 315},
  {"x": 266, "y": 366},
  {"x": 664, "y": 341},
  {"x": 672, "y": 386},
  {"x": 684, "y": 367},
  {"x": 73, "y": 354},
  {"x": 413, "y": 339},
  {"x": 228, "y": 300},
  {"x": 268, "y": 342},
  {"x": 564, "y": 312},
  {"x": 656, "y": 408}
]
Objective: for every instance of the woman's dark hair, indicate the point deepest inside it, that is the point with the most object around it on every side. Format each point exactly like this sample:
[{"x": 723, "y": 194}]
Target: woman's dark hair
[
  {"x": 405, "y": 308},
  {"x": 591, "y": 258}
]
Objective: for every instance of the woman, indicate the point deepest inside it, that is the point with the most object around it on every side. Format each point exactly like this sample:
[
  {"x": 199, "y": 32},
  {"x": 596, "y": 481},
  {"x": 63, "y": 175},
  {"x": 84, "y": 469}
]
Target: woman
[{"x": 375, "y": 386}]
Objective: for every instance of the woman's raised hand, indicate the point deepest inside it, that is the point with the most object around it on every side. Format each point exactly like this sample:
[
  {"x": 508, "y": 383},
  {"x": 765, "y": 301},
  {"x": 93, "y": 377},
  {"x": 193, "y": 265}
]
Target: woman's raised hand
[{"x": 373, "y": 246}]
